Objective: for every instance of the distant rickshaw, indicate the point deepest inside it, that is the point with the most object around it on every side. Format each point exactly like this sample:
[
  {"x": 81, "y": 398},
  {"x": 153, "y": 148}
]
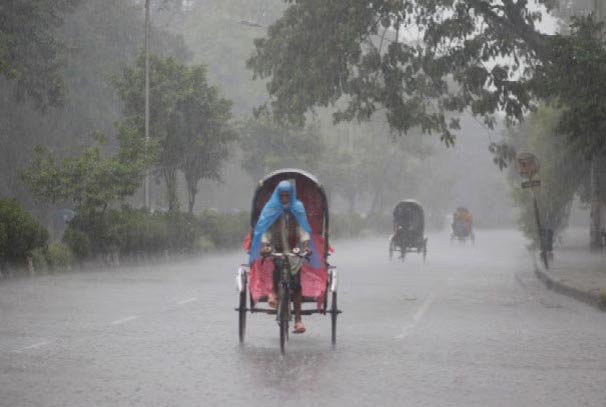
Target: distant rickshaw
[
  {"x": 462, "y": 225},
  {"x": 408, "y": 230}
]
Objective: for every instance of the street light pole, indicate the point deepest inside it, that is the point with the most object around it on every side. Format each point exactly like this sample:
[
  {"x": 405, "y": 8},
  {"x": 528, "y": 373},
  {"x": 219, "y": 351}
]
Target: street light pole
[{"x": 146, "y": 184}]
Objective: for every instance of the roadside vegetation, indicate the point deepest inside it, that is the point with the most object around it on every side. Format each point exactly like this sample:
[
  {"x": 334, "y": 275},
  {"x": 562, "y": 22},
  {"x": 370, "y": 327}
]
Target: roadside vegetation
[{"x": 342, "y": 91}]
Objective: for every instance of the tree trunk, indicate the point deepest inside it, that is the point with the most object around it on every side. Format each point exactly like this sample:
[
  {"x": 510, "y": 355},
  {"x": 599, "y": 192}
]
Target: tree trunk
[
  {"x": 192, "y": 191},
  {"x": 170, "y": 178},
  {"x": 598, "y": 202}
]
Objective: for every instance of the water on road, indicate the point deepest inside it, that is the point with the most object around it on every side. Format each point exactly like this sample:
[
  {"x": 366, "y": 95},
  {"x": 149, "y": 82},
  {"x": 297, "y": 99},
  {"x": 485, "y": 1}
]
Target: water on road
[{"x": 470, "y": 327}]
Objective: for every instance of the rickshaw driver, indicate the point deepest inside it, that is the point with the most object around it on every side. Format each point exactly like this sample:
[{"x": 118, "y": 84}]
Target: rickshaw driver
[{"x": 283, "y": 221}]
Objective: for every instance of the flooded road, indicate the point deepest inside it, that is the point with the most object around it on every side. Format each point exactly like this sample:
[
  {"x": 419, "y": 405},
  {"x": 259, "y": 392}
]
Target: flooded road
[{"x": 470, "y": 327}]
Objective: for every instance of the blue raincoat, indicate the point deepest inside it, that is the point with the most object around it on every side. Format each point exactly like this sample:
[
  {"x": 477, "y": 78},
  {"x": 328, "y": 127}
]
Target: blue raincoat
[{"x": 272, "y": 211}]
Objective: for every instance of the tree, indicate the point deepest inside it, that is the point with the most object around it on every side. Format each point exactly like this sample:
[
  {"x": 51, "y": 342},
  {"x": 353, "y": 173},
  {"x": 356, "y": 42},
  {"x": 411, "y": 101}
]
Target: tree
[
  {"x": 188, "y": 119},
  {"x": 267, "y": 146},
  {"x": 96, "y": 39},
  {"x": 20, "y": 233},
  {"x": 30, "y": 52},
  {"x": 90, "y": 180},
  {"x": 203, "y": 120},
  {"x": 564, "y": 171},
  {"x": 419, "y": 60}
]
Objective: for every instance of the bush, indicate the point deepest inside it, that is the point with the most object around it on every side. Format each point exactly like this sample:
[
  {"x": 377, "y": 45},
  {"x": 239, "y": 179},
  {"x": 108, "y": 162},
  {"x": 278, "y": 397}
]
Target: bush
[
  {"x": 134, "y": 231},
  {"x": 137, "y": 231},
  {"x": 226, "y": 230},
  {"x": 78, "y": 242},
  {"x": 20, "y": 233},
  {"x": 59, "y": 256},
  {"x": 203, "y": 245},
  {"x": 39, "y": 259}
]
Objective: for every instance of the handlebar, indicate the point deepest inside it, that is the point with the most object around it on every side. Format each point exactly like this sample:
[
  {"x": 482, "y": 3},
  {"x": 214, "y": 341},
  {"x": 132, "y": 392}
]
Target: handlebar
[{"x": 284, "y": 255}]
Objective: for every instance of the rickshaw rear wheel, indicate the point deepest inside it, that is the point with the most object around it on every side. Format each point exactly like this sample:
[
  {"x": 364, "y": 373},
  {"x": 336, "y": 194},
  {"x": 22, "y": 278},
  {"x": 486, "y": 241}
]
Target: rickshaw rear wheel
[
  {"x": 283, "y": 318},
  {"x": 242, "y": 317},
  {"x": 333, "y": 318},
  {"x": 391, "y": 248}
]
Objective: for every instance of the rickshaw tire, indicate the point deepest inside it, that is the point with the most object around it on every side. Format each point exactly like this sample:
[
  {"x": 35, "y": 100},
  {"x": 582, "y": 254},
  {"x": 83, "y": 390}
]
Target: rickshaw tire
[
  {"x": 283, "y": 322},
  {"x": 333, "y": 318},
  {"x": 242, "y": 317}
]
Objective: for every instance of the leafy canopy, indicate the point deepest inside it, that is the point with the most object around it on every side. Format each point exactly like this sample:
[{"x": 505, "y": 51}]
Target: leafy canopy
[
  {"x": 188, "y": 118},
  {"x": 90, "y": 180},
  {"x": 419, "y": 61},
  {"x": 30, "y": 52}
]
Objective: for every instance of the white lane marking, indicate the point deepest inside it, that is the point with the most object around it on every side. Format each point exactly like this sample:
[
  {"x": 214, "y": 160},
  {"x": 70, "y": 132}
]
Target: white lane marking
[
  {"x": 123, "y": 320},
  {"x": 415, "y": 318},
  {"x": 34, "y": 346},
  {"x": 187, "y": 301}
]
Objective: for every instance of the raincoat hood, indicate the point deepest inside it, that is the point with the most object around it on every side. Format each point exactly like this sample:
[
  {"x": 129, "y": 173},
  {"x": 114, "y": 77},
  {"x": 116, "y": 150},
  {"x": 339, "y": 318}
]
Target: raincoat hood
[{"x": 272, "y": 211}]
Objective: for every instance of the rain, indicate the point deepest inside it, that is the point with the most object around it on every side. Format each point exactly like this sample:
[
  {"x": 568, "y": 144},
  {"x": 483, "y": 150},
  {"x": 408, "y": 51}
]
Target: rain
[{"x": 294, "y": 203}]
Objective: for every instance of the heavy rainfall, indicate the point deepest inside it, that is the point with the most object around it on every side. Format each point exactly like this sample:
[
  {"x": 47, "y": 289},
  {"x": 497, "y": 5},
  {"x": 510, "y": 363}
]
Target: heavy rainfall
[{"x": 303, "y": 202}]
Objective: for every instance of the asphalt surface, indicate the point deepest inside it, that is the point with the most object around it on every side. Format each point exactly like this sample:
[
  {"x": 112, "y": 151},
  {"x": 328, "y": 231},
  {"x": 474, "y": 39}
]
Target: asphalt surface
[{"x": 470, "y": 327}]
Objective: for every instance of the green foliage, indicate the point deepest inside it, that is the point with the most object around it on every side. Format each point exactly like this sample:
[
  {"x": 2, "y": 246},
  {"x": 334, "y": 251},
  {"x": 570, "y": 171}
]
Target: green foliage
[
  {"x": 226, "y": 230},
  {"x": 30, "y": 52},
  {"x": 20, "y": 233},
  {"x": 59, "y": 256},
  {"x": 39, "y": 258},
  {"x": 78, "y": 242},
  {"x": 188, "y": 118},
  {"x": 90, "y": 180},
  {"x": 564, "y": 172},
  {"x": 418, "y": 60},
  {"x": 578, "y": 70},
  {"x": 137, "y": 231},
  {"x": 97, "y": 38}
]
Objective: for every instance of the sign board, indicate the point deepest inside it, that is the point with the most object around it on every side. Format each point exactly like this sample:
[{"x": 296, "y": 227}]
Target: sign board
[
  {"x": 527, "y": 164},
  {"x": 531, "y": 184}
]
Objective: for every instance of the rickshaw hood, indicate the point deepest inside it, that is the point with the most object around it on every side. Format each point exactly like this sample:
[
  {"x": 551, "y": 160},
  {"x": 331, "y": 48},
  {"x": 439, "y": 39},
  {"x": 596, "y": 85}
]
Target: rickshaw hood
[{"x": 272, "y": 211}]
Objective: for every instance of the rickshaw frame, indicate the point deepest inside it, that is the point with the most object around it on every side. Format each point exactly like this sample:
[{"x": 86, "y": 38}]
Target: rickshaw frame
[
  {"x": 242, "y": 277},
  {"x": 419, "y": 245}
]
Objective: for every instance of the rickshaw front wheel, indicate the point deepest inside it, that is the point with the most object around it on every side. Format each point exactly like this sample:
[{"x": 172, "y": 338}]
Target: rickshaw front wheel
[
  {"x": 242, "y": 317},
  {"x": 283, "y": 304},
  {"x": 333, "y": 318}
]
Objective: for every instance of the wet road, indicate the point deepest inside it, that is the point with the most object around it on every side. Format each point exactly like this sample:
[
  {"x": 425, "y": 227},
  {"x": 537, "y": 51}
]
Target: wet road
[{"x": 471, "y": 327}]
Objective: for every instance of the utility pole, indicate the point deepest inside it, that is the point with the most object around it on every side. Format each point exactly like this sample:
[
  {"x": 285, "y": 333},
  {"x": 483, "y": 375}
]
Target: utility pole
[{"x": 146, "y": 185}]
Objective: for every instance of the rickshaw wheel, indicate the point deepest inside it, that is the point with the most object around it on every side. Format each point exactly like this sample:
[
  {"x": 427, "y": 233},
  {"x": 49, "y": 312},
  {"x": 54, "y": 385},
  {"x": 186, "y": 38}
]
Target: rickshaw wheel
[
  {"x": 283, "y": 319},
  {"x": 391, "y": 247},
  {"x": 242, "y": 316},
  {"x": 333, "y": 318}
]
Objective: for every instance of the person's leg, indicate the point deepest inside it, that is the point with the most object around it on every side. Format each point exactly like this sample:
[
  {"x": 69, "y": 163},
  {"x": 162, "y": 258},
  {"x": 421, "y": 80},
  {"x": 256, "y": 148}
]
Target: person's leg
[
  {"x": 272, "y": 297},
  {"x": 297, "y": 294}
]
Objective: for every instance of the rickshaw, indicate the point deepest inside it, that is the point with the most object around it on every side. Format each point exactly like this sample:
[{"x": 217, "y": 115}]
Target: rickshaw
[
  {"x": 408, "y": 230},
  {"x": 319, "y": 285},
  {"x": 462, "y": 225}
]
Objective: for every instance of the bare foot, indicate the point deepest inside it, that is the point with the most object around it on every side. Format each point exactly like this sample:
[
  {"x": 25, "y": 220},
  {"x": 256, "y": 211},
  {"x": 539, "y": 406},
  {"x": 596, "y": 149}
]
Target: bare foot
[
  {"x": 299, "y": 328},
  {"x": 272, "y": 300}
]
